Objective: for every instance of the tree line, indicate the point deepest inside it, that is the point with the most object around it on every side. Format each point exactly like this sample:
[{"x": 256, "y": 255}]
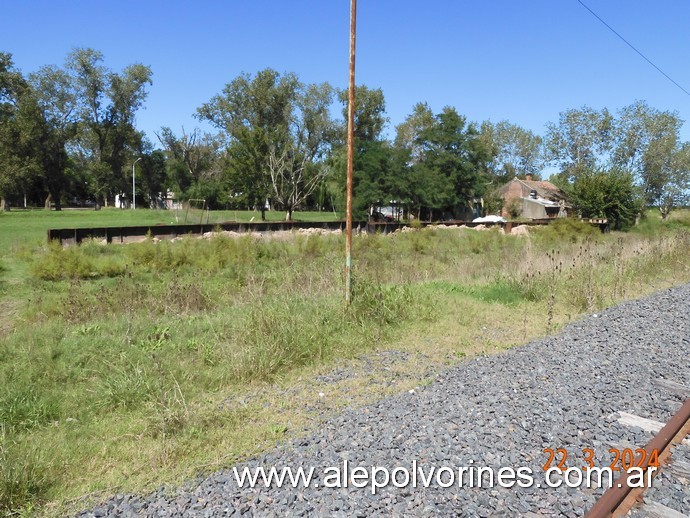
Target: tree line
[{"x": 68, "y": 134}]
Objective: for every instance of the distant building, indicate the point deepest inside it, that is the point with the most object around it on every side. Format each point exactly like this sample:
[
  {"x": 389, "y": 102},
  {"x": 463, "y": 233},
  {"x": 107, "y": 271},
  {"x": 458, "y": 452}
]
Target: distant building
[
  {"x": 121, "y": 201},
  {"x": 169, "y": 201},
  {"x": 533, "y": 199}
]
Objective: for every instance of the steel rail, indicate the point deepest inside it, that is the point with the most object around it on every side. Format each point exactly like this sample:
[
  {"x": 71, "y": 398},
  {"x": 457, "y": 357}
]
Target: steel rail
[{"x": 621, "y": 497}]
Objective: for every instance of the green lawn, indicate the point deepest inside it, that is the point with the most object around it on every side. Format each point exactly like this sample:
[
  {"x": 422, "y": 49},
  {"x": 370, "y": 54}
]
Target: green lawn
[{"x": 29, "y": 227}]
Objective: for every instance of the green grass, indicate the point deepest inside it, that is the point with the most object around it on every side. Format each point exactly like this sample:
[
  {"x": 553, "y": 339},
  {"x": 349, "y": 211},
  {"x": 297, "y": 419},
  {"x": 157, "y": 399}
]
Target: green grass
[
  {"x": 651, "y": 224},
  {"x": 499, "y": 291},
  {"x": 123, "y": 367},
  {"x": 21, "y": 227}
]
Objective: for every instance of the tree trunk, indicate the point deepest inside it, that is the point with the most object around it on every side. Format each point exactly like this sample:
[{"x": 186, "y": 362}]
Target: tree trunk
[
  {"x": 46, "y": 204},
  {"x": 4, "y": 204},
  {"x": 56, "y": 197},
  {"x": 288, "y": 214}
]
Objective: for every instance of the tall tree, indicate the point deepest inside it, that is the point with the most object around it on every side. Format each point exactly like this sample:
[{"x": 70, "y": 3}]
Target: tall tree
[
  {"x": 250, "y": 112},
  {"x": 277, "y": 130},
  {"x": 581, "y": 141},
  {"x": 16, "y": 160},
  {"x": 192, "y": 157},
  {"x": 407, "y": 133},
  {"x": 55, "y": 125},
  {"x": 373, "y": 157},
  {"x": 675, "y": 190},
  {"x": 647, "y": 144},
  {"x": 108, "y": 102},
  {"x": 515, "y": 151},
  {"x": 610, "y": 194},
  {"x": 454, "y": 163},
  {"x": 379, "y": 177},
  {"x": 296, "y": 160},
  {"x": 370, "y": 114},
  {"x": 641, "y": 140}
]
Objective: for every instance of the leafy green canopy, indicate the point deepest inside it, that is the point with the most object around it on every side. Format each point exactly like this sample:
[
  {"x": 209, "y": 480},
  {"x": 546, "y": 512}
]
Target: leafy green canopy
[
  {"x": 71, "y": 127},
  {"x": 608, "y": 194},
  {"x": 278, "y": 132}
]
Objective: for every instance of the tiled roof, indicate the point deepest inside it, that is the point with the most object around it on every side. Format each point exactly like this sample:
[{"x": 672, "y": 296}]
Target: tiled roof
[
  {"x": 544, "y": 188},
  {"x": 540, "y": 185}
]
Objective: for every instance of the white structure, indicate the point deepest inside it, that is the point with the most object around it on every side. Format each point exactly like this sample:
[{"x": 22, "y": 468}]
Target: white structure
[{"x": 121, "y": 201}]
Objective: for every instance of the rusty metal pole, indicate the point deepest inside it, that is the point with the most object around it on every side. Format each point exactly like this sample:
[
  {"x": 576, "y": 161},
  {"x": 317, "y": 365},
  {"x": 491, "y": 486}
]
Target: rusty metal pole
[{"x": 350, "y": 154}]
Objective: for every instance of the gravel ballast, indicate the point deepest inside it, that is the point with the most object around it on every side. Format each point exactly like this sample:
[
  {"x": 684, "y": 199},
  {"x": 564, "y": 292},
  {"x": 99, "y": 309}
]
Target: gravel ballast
[{"x": 563, "y": 391}]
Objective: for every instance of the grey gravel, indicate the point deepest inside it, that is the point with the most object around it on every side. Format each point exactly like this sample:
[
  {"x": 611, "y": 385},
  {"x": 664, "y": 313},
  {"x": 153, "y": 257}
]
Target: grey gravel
[
  {"x": 671, "y": 489},
  {"x": 563, "y": 391}
]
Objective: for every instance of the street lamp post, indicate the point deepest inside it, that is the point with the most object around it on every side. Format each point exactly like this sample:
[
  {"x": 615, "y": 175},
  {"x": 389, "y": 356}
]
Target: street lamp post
[{"x": 134, "y": 185}]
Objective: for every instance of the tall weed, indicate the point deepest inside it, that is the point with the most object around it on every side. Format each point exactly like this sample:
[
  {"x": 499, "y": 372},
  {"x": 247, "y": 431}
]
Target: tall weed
[
  {"x": 24, "y": 477},
  {"x": 278, "y": 335},
  {"x": 565, "y": 230},
  {"x": 59, "y": 263}
]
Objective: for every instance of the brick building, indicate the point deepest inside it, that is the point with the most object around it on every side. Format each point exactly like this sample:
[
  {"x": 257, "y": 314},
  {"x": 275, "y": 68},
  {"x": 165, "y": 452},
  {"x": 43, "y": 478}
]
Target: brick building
[{"x": 533, "y": 199}]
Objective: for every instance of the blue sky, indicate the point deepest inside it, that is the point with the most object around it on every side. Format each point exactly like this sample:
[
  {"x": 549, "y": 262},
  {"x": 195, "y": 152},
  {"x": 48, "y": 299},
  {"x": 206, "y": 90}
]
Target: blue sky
[{"x": 524, "y": 61}]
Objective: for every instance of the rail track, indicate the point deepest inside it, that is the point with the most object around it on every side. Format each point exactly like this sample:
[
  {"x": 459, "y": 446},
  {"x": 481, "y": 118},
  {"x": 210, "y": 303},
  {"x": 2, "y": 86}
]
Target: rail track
[
  {"x": 72, "y": 236},
  {"x": 623, "y": 496}
]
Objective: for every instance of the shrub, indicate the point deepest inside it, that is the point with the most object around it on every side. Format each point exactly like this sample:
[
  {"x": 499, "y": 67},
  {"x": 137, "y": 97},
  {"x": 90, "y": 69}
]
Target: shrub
[
  {"x": 514, "y": 208},
  {"x": 608, "y": 194},
  {"x": 58, "y": 263},
  {"x": 570, "y": 230}
]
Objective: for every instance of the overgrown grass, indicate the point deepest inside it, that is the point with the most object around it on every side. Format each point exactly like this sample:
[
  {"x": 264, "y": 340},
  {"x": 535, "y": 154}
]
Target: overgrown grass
[
  {"x": 24, "y": 476},
  {"x": 128, "y": 366},
  {"x": 651, "y": 224}
]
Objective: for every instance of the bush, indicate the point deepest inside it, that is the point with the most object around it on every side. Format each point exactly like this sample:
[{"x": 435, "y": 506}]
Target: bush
[
  {"x": 608, "y": 194},
  {"x": 91, "y": 261},
  {"x": 514, "y": 208},
  {"x": 567, "y": 229}
]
